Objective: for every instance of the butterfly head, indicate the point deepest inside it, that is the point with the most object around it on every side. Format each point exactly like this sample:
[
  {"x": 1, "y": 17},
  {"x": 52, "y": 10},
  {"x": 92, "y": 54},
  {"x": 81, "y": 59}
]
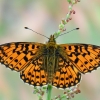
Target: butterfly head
[
  {"x": 52, "y": 39},
  {"x": 52, "y": 42}
]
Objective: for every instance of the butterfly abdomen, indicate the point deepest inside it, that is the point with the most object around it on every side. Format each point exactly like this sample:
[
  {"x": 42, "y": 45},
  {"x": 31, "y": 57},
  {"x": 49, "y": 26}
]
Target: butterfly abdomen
[{"x": 50, "y": 64}]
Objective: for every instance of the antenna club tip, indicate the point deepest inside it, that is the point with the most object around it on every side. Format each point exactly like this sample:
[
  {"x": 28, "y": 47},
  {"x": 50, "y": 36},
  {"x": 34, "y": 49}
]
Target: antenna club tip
[
  {"x": 26, "y": 27},
  {"x": 77, "y": 28}
]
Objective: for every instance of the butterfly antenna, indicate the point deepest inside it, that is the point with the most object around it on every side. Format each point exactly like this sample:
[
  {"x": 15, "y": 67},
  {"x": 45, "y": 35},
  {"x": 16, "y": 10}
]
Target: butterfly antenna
[
  {"x": 68, "y": 32},
  {"x": 35, "y": 32}
]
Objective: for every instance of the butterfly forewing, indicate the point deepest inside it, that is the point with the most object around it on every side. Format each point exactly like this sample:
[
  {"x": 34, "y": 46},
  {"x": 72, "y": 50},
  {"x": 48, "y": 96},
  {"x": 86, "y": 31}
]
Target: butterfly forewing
[
  {"x": 84, "y": 57},
  {"x": 16, "y": 56}
]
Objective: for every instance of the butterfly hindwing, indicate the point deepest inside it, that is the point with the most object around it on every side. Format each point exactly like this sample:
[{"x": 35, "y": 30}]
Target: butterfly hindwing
[
  {"x": 17, "y": 55},
  {"x": 34, "y": 74},
  {"x": 84, "y": 57},
  {"x": 67, "y": 75}
]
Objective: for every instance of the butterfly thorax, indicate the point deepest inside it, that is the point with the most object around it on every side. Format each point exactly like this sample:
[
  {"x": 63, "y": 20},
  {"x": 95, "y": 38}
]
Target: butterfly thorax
[{"x": 51, "y": 47}]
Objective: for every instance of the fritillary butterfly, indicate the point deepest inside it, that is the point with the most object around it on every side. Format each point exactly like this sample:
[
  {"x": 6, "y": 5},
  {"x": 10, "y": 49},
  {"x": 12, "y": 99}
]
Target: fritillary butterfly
[{"x": 58, "y": 64}]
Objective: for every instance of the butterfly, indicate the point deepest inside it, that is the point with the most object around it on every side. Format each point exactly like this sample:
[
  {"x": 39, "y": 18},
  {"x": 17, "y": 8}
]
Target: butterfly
[{"x": 60, "y": 65}]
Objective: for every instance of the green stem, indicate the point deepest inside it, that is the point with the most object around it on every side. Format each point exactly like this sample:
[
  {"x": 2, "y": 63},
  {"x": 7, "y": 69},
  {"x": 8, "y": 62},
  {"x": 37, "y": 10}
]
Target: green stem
[{"x": 49, "y": 89}]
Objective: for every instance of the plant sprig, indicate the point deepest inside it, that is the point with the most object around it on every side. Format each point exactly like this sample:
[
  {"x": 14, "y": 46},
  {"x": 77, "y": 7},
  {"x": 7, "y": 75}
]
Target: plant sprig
[
  {"x": 67, "y": 19},
  {"x": 68, "y": 94}
]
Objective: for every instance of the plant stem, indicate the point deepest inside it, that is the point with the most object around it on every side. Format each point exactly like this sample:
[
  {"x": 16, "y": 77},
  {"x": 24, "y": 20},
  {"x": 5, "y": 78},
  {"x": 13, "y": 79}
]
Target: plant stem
[{"x": 49, "y": 89}]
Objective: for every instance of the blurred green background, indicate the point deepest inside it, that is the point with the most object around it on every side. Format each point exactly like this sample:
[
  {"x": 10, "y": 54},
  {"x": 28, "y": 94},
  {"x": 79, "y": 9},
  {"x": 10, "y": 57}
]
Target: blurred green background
[{"x": 44, "y": 16}]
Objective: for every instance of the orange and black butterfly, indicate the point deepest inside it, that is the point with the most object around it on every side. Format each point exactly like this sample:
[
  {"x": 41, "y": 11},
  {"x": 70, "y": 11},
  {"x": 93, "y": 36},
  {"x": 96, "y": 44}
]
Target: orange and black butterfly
[{"x": 58, "y": 64}]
